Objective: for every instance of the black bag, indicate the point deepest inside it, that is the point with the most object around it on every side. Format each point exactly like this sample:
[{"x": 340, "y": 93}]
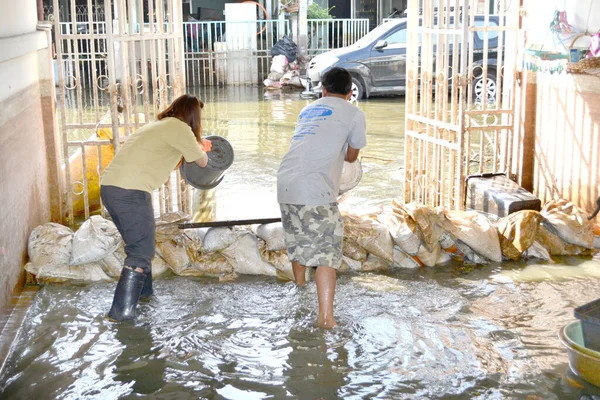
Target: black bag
[{"x": 286, "y": 47}]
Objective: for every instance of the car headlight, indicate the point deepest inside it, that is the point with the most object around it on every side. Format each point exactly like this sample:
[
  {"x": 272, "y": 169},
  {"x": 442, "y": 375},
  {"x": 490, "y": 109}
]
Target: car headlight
[{"x": 320, "y": 63}]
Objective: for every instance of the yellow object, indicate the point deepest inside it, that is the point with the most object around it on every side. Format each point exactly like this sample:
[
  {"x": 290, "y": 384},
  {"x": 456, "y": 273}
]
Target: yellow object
[
  {"x": 583, "y": 361},
  {"x": 93, "y": 167}
]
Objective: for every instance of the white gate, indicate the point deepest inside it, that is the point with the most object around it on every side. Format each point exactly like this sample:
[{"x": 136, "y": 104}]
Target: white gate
[
  {"x": 132, "y": 54},
  {"x": 461, "y": 63}
]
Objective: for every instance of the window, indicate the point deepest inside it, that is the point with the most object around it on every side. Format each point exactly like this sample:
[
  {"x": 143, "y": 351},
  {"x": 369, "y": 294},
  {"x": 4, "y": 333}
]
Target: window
[{"x": 398, "y": 37}]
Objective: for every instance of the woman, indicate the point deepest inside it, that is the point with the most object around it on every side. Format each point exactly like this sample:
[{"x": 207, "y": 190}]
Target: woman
[{"x": 144, "y": 163}]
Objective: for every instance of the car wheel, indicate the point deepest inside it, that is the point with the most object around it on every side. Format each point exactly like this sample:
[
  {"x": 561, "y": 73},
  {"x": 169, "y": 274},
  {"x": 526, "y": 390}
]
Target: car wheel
[
  {"x": 357, "y": 90},
  {"x": 489, "y": 93}
]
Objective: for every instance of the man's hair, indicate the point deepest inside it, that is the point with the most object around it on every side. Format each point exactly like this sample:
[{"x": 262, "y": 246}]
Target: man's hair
[
  {"x": 186, "y": 108},
  {"x": 337, "y": 81}
]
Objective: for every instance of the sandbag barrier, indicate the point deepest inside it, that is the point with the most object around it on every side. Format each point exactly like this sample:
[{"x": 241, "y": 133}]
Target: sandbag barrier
[{"x": 397, "y": 236}]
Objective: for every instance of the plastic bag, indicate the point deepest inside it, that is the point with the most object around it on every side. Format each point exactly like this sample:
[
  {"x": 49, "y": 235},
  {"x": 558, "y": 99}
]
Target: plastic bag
[
  {"x": 285, "y": 46},
  {"x": 49, "y": 244},
  {"x": 95, "y": 239},
  {"x": 279, "y": 64}
]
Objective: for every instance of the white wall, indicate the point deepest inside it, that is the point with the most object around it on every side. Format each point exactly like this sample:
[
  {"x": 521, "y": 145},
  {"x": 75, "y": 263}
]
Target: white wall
[
  {"x": 581, "y": 14},
  {"x": 17, "y": 17}
]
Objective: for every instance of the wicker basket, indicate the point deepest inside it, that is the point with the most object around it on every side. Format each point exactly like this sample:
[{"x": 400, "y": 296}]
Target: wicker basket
[{"x": 590, "y": 66}]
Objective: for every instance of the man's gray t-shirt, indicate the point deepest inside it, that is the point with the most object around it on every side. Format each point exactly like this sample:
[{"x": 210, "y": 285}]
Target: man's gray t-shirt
[{"x": 311, "y": 171}]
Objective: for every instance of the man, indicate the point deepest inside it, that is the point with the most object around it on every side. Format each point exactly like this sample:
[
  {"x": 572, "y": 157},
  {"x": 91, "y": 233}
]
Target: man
[{"x": 329, "y": 131}]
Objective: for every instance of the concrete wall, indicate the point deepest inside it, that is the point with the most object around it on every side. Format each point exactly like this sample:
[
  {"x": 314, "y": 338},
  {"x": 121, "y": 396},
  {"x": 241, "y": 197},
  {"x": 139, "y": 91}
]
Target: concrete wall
[
  {"x": 26, "y": 139},
  {"x": 559, "y": 136}
]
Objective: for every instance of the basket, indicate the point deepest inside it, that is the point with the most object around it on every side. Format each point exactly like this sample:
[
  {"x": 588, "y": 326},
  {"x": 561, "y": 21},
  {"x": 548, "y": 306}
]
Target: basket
[{"x": 590, "y": 66}]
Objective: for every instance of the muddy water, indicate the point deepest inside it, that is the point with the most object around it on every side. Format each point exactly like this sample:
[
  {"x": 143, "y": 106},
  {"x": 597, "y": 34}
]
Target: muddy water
[
  {"x": 454, "y": 332},
  {"x": 260, "y": 128}
]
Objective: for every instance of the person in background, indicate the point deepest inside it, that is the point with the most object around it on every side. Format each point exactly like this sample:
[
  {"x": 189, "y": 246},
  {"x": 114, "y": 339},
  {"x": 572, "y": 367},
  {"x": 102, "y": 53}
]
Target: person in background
[
  {"x": 329, "y": 131},
  {"x": 142, "y": 164}
]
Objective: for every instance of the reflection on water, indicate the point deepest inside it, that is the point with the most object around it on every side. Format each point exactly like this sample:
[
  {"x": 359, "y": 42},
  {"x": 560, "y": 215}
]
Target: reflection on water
[{"x": 445, "y": 332}]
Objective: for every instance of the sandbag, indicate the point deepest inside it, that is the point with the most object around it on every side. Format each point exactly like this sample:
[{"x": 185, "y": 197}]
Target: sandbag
[
  {"x": 400, "y": 226},
  {"x": 210, "y": 264},
  {"x": 278, "y": 259},
  {"x": 568, "y": 222},
  {"x": 49, "y": 244},
  {"x": 537, "y": 252},
  {"x": 113, "y": 264},
  {"x": 404, "y": 260},
  {"x": 374, "y": 263},
  {"x": 352, "y": 250},
  {"x": 370, "y": 235},
  {"x": 180, "y": 251},
  {"x": 555, "y": 245},
  {"x": 517, "y": 232},
  {"x": 89, "y": 272},
  {"x": 167, "y": 225},
  {"x": 95, "y": 239},
  {"x": 349, "y": 264},
  {"x": 217, "y": 239},
  {"x": 279, "y": 64},
  {"x": 273, "y": 235},
  {"x": 427, "y": 219},
  {"x": 474, "y": 231},
  {"x": 245, "y": 257}
]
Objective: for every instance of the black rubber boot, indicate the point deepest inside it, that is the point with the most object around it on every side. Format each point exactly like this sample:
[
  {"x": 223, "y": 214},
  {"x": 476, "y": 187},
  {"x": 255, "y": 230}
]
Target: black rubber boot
[
  {"x": 127, "y": 295},
  {"x": 147, "y": 290}
]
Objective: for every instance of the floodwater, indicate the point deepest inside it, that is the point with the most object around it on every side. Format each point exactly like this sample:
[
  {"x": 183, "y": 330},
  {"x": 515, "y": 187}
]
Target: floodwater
[{"x": 449, "y": 332}]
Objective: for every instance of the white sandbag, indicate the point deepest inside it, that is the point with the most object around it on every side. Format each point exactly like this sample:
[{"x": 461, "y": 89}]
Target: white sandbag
[
  {"x": 95, "y": 239},
  {"x": 374, "y": 263},
  {"x": 430, "y": 258},
  {"x": 469, "y": 255},
  {"x": 400, "y": 231},
  {"x": 49, "y": 244},
  {"x": 217, "y": 239},
  {"x": 159, "y": 266},
  {"x": 113, "y": 264},
  {"x": 90, "y": 272},
  {"x": 349, "y": 264},
  {"x": 405, "y": 260},
  {"x": 273, "y": 235},
  {"x": 568, "y": 222},
  {"x": 370, "y": 235},
  {"x": 555, "y": 245},
  {"x": 427, "y": 219},
  {"x": 475, "y": 231},
  {"x": 210, "y": 264},
  {"x": 597, "y": 242},
  {"x": 245, "y": 257},
  {"x": 537, "y": 252}
]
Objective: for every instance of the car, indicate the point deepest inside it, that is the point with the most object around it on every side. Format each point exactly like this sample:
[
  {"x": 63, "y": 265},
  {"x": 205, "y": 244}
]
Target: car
[{"x": 377, "y": 61}]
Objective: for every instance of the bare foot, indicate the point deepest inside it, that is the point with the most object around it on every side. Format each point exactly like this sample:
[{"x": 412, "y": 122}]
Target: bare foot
[
  {"x": 326, "y": 323},
  {"x": 299, "y": 273}
]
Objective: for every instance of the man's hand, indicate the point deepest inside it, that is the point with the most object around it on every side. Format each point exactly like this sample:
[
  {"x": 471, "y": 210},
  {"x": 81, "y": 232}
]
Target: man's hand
[{"x": 205, "y": 145}]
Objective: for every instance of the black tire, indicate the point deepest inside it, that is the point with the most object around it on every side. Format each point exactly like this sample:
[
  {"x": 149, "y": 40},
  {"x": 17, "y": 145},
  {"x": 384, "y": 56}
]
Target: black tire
[
  {"x": 358, "y": 91},
  {"x": 491, "y": 93}
]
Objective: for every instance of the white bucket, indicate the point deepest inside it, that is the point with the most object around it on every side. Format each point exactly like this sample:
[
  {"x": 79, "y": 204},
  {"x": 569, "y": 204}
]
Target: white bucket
[{"x": 351, "y": 175}]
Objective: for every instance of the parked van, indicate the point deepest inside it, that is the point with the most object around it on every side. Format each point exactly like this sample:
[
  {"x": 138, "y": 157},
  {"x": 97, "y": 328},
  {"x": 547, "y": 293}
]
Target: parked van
[{"x": 377, "y": 61}]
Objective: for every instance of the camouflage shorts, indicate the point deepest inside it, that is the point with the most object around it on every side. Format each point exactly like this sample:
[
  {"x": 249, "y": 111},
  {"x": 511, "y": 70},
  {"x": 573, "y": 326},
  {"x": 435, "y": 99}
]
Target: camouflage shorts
[{"x": 313, "y": 234}]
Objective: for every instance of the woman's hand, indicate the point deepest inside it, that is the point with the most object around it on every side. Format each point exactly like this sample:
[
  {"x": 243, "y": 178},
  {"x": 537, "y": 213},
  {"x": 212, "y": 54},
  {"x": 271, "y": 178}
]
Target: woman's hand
[{"x": 205, "y": 145}]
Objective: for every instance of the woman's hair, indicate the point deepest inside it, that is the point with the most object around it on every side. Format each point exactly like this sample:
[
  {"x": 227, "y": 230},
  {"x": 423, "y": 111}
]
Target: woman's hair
[{"x": 186, "y": 108}]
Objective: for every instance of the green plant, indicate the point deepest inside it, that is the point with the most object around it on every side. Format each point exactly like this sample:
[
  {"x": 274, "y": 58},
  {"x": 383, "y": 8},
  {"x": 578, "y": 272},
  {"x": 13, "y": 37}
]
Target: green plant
[{"x": 315, "y": 11}]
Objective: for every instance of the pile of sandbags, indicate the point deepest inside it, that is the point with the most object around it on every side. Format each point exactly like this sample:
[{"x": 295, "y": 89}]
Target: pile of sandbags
[{"x": 399, "y": 235}]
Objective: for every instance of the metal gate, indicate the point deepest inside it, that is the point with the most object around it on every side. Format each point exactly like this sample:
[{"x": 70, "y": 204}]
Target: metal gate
[
  {"x": 131, "y": 57},
  {"x": 461, "y": 63}
]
